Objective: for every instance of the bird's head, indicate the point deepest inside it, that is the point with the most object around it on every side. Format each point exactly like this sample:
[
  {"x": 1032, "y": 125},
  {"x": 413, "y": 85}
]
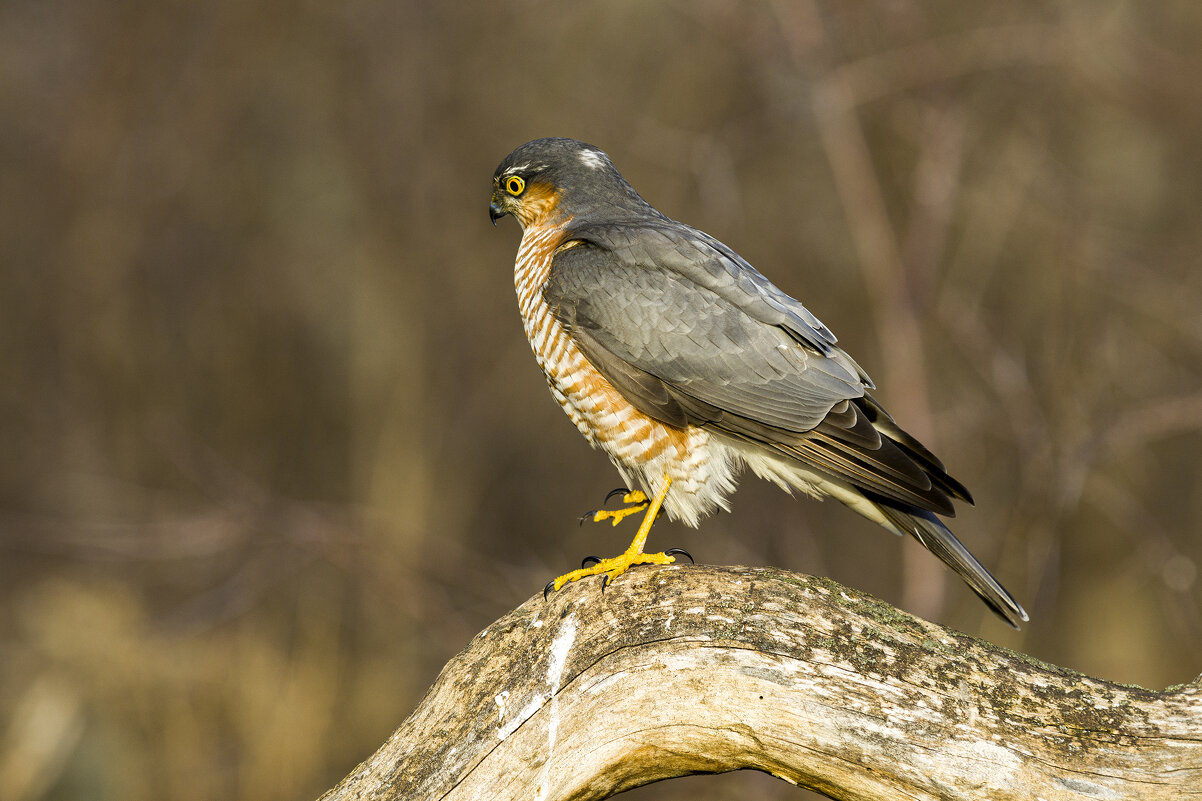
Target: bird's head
[{"x": 547, "y": 181}]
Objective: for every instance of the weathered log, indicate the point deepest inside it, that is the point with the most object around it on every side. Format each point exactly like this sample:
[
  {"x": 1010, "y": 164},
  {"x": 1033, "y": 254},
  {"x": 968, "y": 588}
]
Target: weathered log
[{"x": 680, "y": 670}]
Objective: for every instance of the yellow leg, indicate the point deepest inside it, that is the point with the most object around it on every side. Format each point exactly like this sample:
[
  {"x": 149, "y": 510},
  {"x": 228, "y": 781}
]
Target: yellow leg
[{"x": 634, "y": 555}]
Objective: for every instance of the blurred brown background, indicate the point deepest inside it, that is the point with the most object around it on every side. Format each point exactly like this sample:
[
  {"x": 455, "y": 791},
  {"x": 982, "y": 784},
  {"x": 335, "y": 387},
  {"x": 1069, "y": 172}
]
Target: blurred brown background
[{"x": 275, "y": 446}]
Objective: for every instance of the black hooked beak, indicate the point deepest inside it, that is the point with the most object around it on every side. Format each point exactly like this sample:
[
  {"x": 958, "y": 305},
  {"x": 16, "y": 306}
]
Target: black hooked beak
[{"x": 495, "y": 212}]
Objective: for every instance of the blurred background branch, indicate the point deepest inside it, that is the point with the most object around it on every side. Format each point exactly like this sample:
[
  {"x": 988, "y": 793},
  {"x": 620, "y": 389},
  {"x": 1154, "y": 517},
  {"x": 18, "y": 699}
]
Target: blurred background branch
[{"x": 265, "y": 400}]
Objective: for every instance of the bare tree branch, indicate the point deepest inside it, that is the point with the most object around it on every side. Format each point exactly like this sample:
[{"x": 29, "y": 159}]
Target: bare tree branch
[{"x": 681, "y": 670}]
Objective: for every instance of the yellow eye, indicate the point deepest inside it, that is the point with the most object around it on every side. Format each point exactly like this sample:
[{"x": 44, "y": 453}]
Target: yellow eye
[{"x": 514, "y": 185}]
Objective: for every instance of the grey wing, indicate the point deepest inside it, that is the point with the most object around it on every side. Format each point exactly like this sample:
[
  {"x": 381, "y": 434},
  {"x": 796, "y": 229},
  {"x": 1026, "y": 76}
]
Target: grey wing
[
  {"x": 697, "y": 342},
  {"x": 690, "y": 334},
  {"x": 698, "y": 258}
]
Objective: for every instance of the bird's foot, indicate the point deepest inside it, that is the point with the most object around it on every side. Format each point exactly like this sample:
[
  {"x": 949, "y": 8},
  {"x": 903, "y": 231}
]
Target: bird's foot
[
  {"x": 616, "y": 566},
  {"x": 636, "y": 501},
  {"x": 611, "y": 568}
]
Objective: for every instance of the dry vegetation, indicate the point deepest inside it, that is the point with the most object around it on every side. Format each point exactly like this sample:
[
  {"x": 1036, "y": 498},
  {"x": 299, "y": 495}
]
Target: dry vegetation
[{"x": 274, "y": 445}]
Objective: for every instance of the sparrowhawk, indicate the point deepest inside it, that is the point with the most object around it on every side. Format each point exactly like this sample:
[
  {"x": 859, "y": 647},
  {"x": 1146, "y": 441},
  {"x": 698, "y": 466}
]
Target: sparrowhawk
[{"x": 685, "y": 364}]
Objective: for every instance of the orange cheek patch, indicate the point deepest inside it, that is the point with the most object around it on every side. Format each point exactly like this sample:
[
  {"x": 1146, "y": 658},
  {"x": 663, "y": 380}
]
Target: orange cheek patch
[{"x": 537, "y": 204}]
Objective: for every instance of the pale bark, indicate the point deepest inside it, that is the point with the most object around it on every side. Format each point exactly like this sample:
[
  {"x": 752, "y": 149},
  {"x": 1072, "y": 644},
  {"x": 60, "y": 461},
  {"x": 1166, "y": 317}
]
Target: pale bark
[{"x": 678, "y": 670}]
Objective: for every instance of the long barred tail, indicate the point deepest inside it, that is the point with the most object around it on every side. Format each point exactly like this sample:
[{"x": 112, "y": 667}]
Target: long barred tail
[
  {"x": 898, "y": 518},
  {"x": 939, "y": 540}
]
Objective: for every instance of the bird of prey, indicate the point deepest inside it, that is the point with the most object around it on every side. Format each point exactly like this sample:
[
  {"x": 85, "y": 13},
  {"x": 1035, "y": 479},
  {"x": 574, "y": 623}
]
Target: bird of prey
[{"x": 684, "y": 364}]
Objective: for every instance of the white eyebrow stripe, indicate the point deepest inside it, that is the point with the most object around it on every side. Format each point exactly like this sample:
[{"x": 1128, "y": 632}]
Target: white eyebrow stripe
[{"x": 524, "y": 167}]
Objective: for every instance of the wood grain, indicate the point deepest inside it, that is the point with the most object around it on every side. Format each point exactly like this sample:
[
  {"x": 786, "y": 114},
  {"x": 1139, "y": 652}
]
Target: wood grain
[{"x": 685, "y": 669}]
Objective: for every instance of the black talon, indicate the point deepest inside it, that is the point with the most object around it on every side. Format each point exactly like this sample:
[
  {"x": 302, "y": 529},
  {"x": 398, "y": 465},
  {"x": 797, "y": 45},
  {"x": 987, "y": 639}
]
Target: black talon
[
  {"x": 680, "y": 551},
  {"x": 547, "y": 589},
  {"x": 596, "y": 560},
  {"x": 613, "y": 492},
  {"x": 587, "y": 516},
  {"x": 604, "y": 581}
]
